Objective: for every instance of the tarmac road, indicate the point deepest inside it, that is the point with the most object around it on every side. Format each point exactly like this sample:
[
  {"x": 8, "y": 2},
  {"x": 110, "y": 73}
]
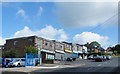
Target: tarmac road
[
  {"x": 89, "y": 66},
  {"x": 78, "y": 66}
]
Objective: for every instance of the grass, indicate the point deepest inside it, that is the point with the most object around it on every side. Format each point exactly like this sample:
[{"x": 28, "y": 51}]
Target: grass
[{"x": 118, "y": 55}]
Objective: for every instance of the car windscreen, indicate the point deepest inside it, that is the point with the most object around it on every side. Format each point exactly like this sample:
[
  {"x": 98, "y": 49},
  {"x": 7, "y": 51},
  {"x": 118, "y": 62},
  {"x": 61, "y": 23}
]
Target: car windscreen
[
  {"x": 23, "y": 59},
  {"x": 15, "y": 60}
]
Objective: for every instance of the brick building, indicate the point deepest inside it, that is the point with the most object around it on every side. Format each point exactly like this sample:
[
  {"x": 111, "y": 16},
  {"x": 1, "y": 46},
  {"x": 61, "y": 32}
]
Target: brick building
[
  {"x": 19, "y": 44},
  {"x": 46, "y": 46}
]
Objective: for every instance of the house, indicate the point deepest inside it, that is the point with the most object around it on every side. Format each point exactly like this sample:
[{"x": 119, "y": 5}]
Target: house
[
  {"x": 75, "y": 50},
  {"x": 59, "y": 50},
  {"x": 67, "y": 49},
  {"x": 47, "y": 51},
  {"x": 109, "y": 50},
  {"x": 79, "y": 49}
]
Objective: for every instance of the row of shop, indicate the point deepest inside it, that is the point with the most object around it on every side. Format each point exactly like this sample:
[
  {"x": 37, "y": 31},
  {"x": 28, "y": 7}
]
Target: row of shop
[
  {"x": 49, "y": 50},
  {"x": 52, "y": 50},
  {"x": 50, "y": 57}
]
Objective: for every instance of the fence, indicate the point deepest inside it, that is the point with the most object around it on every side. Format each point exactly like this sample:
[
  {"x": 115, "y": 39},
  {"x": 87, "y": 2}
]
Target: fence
[{"x": 31, "y": 59}]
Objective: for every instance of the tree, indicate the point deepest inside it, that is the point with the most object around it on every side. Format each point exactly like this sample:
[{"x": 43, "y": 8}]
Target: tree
[
  {"x": 117, "y": 48},
  {"x": 95, "y": 43},
  {"x": 30, "y": 49}
]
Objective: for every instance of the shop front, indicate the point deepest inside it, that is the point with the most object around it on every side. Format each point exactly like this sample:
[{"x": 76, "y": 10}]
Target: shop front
[
  {"x": 80, "y": 54},
  {"x": 75, "y": 54},
  {"x": 68, "y": 53},
  {"x": 59, "y": 55},
  {"x": 47, "y": 56}
]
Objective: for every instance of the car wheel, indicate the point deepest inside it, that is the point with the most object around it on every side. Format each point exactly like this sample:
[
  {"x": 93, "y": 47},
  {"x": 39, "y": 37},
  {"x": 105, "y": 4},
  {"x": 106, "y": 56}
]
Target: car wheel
[
  {"x": 18, "y": 65},
  {"x": 6, "y": 66}
]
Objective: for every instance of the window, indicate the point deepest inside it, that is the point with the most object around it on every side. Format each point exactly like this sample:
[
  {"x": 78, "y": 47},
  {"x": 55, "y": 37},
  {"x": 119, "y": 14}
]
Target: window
[
  {"x": 30, "y": 40},
  {"x": 15, "y": 42},
  {"x": 56, "y": 45},
  {"x": 61, "y": 46},
  {"x": 46, "y": 44},
  {"x": 38, "y": 42}
]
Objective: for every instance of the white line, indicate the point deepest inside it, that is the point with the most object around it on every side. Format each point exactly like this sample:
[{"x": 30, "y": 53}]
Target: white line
[
  {"x": 99, "y": 65},
  {"x": 45, "y": 67}
]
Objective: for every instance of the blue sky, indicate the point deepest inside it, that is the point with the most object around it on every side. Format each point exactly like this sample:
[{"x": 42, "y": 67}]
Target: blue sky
[{"x": 72, "y": 22}]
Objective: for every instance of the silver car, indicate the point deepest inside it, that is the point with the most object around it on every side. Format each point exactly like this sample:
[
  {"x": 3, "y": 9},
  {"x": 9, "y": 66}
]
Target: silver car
[
  {"x": 108, "y": 57},
  {"x": 17, "y": 62}
]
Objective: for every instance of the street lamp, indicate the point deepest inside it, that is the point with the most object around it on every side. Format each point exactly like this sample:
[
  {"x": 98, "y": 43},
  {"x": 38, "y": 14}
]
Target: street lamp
[{"x": 39, "y": 55}]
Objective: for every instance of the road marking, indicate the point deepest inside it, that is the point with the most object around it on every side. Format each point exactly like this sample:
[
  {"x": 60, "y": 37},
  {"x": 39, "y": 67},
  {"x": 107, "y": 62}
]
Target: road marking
[
  {"x": 99, "y": 65},
  {"x": 45, "y": 67},
  {"x": 89, "y": 68},
  {"x": 106, "y": 62}
]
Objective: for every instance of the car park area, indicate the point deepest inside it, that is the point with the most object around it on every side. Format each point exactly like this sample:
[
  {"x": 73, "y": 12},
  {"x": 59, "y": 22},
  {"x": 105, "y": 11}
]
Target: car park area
[{"x": 100, "y": 58}]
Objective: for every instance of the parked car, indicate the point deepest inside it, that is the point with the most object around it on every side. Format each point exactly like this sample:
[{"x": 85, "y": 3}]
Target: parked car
[
  {"x": 71, "y": 59},
  {"x": 108, "y": 57},
  {"x": 5, "y": 62},
  {"x": 17, "y": 62},
  {"x": 90, "y": 57},
  {"x": 100, "y": 58}
]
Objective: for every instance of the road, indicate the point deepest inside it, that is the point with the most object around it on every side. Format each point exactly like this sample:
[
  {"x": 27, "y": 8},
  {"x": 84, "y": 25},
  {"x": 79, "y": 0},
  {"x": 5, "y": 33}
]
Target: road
[
  {"x": 88, "y": 66},
  {"x": 80, "y": 66}
]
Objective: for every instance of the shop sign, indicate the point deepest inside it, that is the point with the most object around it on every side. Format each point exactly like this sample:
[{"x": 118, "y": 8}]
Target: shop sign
[{"x": 67, "y": 50}]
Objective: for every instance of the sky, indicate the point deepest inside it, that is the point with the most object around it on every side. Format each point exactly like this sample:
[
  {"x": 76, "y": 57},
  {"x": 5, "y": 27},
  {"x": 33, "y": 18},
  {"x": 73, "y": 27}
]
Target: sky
[{"x": 76, "y": 22}]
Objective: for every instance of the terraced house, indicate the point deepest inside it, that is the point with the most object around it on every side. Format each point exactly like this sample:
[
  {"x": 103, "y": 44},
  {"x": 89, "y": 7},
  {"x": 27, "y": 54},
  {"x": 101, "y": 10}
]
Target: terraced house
[
  {"x": 67, "y": 49},
  {"x": 59, "y": 50},
  {"x": 50, "y": 50},
  {"x": 75, "y": 50}
]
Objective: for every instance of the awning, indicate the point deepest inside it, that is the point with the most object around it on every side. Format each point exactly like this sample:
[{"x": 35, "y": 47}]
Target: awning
[
  {"x": 48, "y": 51},
  {"x": 59, "y": 51},
  {"x": 69, "y": 51}
]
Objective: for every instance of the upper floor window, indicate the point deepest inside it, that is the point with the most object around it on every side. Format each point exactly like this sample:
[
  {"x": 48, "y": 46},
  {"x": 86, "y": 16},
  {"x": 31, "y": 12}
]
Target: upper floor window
[
  {"x": 61, "y": 46},
  {"x": 46, "y": 43},
  {"x": 38, "y": 42},
  {"x": 30, "y": 40},
  {"x": 15, "y": 42}
]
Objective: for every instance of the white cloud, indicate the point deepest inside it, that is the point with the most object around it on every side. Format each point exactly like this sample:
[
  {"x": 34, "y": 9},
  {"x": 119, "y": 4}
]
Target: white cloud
[
  {"x": 25, "y": 32},
  {"x": 85, "y": 14},
  {"x": 2, "y": 41},
  {"x": 85, "y": 37},
  {"x": 48, "y": 32},
  {"x": 22, "y": 13},
  {"x": 40, "y": 11}
]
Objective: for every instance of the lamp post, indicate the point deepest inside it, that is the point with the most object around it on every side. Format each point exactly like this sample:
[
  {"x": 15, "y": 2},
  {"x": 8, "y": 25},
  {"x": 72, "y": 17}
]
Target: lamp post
[{"x": 39, "y": 55}]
